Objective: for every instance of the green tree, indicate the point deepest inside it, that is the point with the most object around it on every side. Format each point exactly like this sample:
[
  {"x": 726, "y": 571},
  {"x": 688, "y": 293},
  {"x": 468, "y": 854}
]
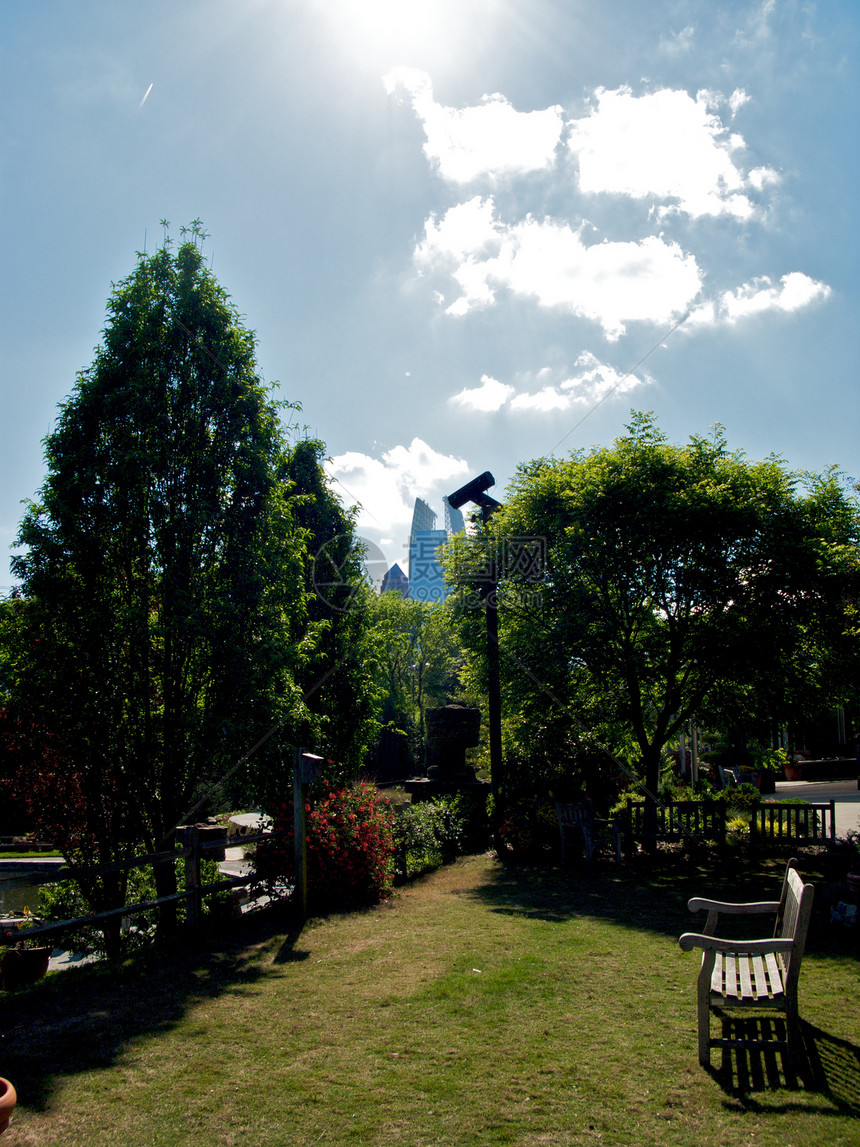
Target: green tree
[
  {"x": 672, "y": 575},
  {"x": 417, "y": 658},
  {"x": 336, "y": 676},
  {"x": 165, "y": 610}
]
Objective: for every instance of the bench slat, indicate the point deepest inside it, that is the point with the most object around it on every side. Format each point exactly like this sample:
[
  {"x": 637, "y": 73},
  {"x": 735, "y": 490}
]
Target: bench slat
[
  {"x": 717, "y": 975},
  {"x": 731, "y": 988},
  {"x": 761, "y": 981},
  {"x": 774, "y": 973}
]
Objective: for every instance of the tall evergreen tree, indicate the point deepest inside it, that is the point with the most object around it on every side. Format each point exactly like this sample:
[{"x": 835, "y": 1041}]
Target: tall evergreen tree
[{"x": 166, "y": 613}]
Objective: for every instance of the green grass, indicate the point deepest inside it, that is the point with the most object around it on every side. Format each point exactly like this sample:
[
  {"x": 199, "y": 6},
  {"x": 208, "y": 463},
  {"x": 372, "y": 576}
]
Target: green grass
[{"x": 482, "y": 1005}]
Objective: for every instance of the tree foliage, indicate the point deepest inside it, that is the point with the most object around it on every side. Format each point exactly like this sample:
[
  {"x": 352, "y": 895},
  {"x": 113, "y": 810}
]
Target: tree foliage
[
  {"x": 416, "y": 657},
  {"x": 675, "y": 578},
  {"x": 167, "y": 619},
  {"x": 336, "y": 675}
]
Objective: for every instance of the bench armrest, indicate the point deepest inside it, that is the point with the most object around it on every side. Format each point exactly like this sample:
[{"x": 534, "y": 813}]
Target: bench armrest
[
  {"x": 750, "y": 909},
  {"x": 692, "y": 940}
]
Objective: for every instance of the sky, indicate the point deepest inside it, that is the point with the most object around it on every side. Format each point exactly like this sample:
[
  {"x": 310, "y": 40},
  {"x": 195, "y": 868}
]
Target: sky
[{"x": 467, "y": 233}]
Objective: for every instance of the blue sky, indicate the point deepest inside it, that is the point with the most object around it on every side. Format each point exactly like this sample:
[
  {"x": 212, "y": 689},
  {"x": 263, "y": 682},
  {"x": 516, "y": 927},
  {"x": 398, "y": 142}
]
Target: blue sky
[{"x": 467, "y": 232}]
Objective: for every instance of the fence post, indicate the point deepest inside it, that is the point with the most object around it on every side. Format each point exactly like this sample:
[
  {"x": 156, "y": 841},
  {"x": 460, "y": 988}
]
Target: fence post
[
  {"x": 306, "y": 769},
  {"x": 192, "y": 877},
  {"x": 300, "y": 865}
]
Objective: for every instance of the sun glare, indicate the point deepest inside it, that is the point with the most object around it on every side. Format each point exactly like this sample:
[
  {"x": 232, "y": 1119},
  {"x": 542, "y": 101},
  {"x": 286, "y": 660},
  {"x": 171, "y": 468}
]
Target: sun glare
[{"x": 386, "y": 27}]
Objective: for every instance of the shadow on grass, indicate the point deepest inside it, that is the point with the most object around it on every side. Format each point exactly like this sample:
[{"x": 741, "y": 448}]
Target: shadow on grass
[
  {"x": 645, "y": 894},
  {"x": 650, "y": 893},
  {"x": 83, "y": 1019},
  {"x": 827, "y": 1066}
]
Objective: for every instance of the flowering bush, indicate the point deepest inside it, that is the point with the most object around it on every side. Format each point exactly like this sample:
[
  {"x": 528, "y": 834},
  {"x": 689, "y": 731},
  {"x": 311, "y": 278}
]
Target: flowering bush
[{"x": 350, "y": 849}]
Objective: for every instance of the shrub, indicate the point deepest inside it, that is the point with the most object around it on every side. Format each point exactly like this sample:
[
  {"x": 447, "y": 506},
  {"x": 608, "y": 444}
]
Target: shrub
[
  {"x": 350, "y": 849},
  {"x": 742, "y": 798},
  {"x": 433, "y": 832}
]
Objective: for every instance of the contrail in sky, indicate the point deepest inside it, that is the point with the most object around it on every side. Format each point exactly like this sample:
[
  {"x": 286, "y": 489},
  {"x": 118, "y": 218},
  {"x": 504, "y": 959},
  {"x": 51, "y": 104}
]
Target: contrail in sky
[{"x": 143, "y": 101}]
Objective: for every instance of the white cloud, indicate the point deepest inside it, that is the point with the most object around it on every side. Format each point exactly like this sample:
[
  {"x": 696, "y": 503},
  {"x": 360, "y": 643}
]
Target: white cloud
[
  {"x": 385, "y": 489},
  {"x": 667, "y": 146},
  {"x": 758, "y": 29},
  {"x": 677, "y": 43},
  {"x": 591, "y": 382},
  {"x": 611, "y": 283},
  {"x": 492, "y": 139},
  {"x": 793, "y": 292},
  {"x": 489, "y": 396},
  {"x": 761, "y": 177},
  {"x": 737, "y": 100}
]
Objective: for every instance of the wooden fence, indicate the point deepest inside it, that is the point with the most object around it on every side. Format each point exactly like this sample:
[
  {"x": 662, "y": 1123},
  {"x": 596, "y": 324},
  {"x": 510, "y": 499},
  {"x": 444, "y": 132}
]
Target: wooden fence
[
  {"x": 773, "y": 822},
  {"x": 681, "y": 820},
  {"x": 196, "y": 846}
]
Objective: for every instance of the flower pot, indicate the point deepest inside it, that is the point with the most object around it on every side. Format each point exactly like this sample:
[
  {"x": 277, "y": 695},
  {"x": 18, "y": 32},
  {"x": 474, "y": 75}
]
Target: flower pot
[
  {"x": 8, "y": 1099},
  {"x": 21, "y": 967}
]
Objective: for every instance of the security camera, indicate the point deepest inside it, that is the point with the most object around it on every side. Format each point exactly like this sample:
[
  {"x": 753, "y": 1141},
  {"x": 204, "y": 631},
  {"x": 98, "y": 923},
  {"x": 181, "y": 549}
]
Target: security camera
[{"x": 473, "y": 491}]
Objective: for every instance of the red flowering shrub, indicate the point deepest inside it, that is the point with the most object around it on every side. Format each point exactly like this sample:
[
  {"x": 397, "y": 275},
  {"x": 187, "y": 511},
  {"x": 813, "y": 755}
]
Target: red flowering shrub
[{"x": 350, "y": 848}]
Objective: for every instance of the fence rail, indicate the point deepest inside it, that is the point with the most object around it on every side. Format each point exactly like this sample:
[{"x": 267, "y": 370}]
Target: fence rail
[{"x": 194, "y": 850}]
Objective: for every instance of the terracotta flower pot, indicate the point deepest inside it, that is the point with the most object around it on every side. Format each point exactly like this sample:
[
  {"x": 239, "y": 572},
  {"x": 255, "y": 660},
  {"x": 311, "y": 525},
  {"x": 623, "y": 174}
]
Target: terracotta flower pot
[
  {"x": 8, "y": 1099},
  {"x": 21, "y": 967}
]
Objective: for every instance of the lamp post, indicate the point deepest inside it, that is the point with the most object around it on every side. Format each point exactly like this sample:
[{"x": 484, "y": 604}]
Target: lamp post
[{"x": 476, "y": 492}]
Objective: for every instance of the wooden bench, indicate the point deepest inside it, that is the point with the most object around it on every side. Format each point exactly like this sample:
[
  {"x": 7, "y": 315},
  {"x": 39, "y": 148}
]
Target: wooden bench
[
  {"x": 583, "y": 832},
  {"x": 752, "y": 973},
  {"x": 682, "y": 820},
  {"x": 774, "y": 823}
]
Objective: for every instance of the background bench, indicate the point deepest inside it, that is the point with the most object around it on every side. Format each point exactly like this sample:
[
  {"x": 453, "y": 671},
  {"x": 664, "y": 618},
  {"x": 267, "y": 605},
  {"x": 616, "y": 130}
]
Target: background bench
[{"x": 583, "y": 832}]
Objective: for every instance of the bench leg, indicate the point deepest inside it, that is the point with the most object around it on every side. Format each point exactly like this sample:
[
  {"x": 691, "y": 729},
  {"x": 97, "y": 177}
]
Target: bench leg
[
  {"x": 704, "y": 1034},
  {"x": 792, "y": 1027},
  {"x": 703, "y": 1008}
]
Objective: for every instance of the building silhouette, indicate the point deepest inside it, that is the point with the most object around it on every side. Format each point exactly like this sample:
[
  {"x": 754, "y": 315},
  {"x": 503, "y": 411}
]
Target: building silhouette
[{"x": 395, "y": 579}]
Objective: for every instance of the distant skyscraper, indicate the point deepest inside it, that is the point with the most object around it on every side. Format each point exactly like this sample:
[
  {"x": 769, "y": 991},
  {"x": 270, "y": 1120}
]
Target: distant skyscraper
[
  {"x": 423, "y": 517},
  {"x": 397, "y": 580},
  {"x": 454, "y": 523},
  {"x": 426, "y": 580}
]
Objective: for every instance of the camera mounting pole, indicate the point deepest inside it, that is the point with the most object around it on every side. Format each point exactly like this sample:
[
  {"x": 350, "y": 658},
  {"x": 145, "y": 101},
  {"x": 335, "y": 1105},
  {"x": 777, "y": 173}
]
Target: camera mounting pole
[{"x": 476, "y": 492}]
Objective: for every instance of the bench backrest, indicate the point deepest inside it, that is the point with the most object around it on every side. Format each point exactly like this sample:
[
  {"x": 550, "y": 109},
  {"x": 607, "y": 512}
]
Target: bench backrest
[
  {"x": 579, "y": 815},
  {"x": 792, "y": 922}
]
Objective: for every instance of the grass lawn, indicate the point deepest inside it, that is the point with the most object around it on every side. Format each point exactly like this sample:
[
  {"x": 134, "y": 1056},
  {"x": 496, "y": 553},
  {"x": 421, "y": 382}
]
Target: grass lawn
[{"x": 485, "y": 1004}]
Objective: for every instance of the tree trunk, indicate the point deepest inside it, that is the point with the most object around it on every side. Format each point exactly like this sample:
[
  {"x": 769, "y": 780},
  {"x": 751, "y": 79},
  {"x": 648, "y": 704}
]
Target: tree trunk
[{"x": 165, "y": 885}]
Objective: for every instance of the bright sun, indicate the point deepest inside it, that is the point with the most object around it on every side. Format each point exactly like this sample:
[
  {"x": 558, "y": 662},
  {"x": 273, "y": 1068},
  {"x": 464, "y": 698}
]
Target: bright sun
[{"x": 374, "y": 27}]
